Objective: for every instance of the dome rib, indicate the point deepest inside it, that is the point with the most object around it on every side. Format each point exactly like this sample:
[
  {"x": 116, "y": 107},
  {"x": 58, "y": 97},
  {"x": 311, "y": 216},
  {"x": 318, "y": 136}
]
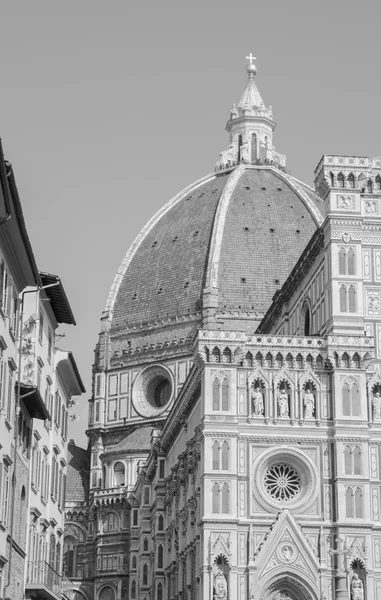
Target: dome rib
[{"x": 142, "y": 235}]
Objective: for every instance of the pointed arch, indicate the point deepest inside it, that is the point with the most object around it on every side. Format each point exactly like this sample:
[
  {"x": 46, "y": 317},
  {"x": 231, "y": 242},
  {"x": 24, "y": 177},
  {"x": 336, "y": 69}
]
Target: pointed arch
[
  {"x": 355, "y": 400},
  {"x": 340, "y": 180},
  {"x": 343, "y": 298},
  {"x": 216, "y": 456},
  {"x": 351, "y": 180},
  {"x": 352, "y": 299},
  {"x": 347, "y": 409},
  {"x": 349, "y": 503},
  {"x": 357, "y": 470},
  {"x": 225, "y": 394},
  {"x": 225, "y": 498},
  {"x": 160, "y": 556},
  {"x": 216, "y": 498},
  {"x": 225, "y": 456},
  {"x": 369, "y": 186},
  {"x": 378, "y": 182},
  {"x": 332, "y": 179},
  {"x": 351, "y": 261},
  {"x": 348, "y": 460},
  {"x": 358, "y": 503},
  {"x": 342, "y": 261},
  {"x": 216, "y": 394}
]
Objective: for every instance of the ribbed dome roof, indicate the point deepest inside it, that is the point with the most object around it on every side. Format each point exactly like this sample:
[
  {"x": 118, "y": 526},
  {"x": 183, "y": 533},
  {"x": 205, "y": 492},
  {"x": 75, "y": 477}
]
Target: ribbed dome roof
[{"x": 236, "y": 233}]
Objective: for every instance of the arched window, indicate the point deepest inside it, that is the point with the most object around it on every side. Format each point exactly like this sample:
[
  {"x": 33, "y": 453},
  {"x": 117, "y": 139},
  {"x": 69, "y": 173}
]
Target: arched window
[
  {"x": 216, "y": 456},
  {"x": 216, "y": 498},
  {"x": 340, "y": 180},
  {"x": 332, "y": 179},
  {"x": 225, "y": 456},
  {"x": 106, "y": 593},
  {"x": 348, "y": 460},
  {"x": 227, "y": 356},
  {"x": 225, "y": 499},
  {"x": 145, "y": 544},
  {"x": 355, "y": 398},
  {"x": 145, "y": 574},
  {"x": 378, "y": 182},
  {"x": 133, "y": 563},
  {"x": 358, "y": 504},
  {"x": 216, "y": 394},
  {"x": 345, "y": 360},
  {"x": 349, "y": 503},
  {"x": 357, "y": 461},
  {"x": 111, "y": 522},
  {"x": 133, "y": 590},
  {"x": 159, "y": 591},
  {"x": 351, "y": 180},
  {"x": 369, "y": 186},
  {"x": 346, "y": 400},
  {"x": 259, "y": 359},
  {"x": 161, "y": 523},
  {"x": 22, "y": 518},
  {"x": 119, "y": 474},
  {"x": 225, "y": 394},
  {"x": 254, "y": 154},
  {"x": 216, "y": 354},
  {"x": 342, "y": 262},
  {"x": 351, "y": 262},
  {"x": 160, "y": 557},
  {"x": 239, "y": 147},
  {"x": 343, "y": 298},
  {"x": 352, "y": 299}
]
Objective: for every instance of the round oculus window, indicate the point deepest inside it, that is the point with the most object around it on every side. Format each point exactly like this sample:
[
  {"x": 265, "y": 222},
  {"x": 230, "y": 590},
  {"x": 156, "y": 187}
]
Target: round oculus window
[
  {"x": 282, "y": 482},
  {"x": 152, "y": 391}
]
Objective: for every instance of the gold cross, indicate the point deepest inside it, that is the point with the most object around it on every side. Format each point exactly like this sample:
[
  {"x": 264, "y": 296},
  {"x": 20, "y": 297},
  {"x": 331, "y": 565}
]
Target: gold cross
[{"x": 251, "y": 58}]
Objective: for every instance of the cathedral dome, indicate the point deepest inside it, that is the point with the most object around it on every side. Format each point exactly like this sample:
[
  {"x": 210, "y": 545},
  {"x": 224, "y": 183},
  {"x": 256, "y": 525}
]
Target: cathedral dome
[
  {"x": 236, "y": 234},
  {"x": 218, "y": 251}
]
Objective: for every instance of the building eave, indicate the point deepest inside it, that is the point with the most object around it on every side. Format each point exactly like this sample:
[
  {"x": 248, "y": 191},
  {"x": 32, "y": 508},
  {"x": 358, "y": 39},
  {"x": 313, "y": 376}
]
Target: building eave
[{"x": 58, "y": 299}]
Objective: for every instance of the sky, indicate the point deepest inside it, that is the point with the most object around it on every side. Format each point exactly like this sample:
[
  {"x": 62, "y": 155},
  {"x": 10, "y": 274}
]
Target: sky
[{"x": 109, "y": 109}]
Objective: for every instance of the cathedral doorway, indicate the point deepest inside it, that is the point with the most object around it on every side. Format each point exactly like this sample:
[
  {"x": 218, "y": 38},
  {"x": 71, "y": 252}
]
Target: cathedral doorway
[{"x": 284, "y": 595}]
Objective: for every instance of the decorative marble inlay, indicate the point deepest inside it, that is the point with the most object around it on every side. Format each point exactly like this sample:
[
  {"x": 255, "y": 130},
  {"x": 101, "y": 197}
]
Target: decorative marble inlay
[
  {"x": 377, "y": 265},
  {"x": 373, "y": 303},
  {"x": 367, "y": 265}
]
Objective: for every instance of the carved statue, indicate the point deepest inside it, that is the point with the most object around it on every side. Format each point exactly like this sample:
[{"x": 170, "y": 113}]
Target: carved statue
[
  {"x": 220, "y": 586},
  {"x": 283, "y": 403},
  {"x": 376, "y": 404},
  {"x": 357, "y": 588},
  {"x": 257, "y": 402},
  {"x": 309, "y": 404}
]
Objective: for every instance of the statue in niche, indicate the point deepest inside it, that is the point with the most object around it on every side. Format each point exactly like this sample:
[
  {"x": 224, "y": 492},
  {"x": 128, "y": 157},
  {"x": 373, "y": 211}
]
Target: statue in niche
[
  {"x": 257, "y": 402},
  {"x": 309, "y": 404},
  {"x": 357, "y": 588},
  {"x": 283, "y": 403},
  {"x": 220, "y": 585},
  {"x": 376, "y": 405}
]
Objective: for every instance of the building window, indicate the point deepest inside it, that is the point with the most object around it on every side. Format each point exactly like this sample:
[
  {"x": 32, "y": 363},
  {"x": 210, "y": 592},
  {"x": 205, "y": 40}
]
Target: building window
[
  {"x": 112, "y": 409},
  {"x": 353, "y": 503},
  {"x": 133, "y": 590},
  {"x": 160, "y": 557},
  {"x": 161, "y": 523},
  {"x": 221, "y": 395},
  {"x": 134, "y": 517},
  {"x": 216, "y": 498},
  {"x": 348, "y": 298},
  {"x": 119, "y": 474},
  {"x": 145, "y": 574},
  {"x": 110, "y": 523},
  {"x": 351, "y": 400},
  {"x": 225, "y": 456},
  {"x": 161, "y": 468},
  {"x": 10, "y": 395},
  {"x": 216, "y": 456},
  {"x": 225, "y": 499},
  {"x": 351, "y": 180},
  {"x": 146, "y": 495}
]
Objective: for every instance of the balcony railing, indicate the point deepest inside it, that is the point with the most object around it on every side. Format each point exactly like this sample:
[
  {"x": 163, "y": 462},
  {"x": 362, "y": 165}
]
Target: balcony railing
[{"x": 43, "y": 578}]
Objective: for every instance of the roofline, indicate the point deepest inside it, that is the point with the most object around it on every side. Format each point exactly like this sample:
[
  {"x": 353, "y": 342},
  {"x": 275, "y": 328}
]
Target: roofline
[
  {"x": 21, "y": 223},
  {"x": 284, "y": 294},
  {"x": 107, "y": 313},
  {"x": 76, "y": 371},
  {"x": 57, "y": 297}
]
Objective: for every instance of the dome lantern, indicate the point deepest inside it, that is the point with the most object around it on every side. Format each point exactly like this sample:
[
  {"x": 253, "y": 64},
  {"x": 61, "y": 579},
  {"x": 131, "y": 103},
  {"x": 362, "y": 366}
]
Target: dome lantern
[{"x": 251, "y": 128}]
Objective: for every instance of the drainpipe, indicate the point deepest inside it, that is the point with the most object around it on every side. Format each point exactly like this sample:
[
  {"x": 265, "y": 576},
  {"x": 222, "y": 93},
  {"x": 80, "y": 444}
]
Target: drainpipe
[{"x": 17, "y": 411}]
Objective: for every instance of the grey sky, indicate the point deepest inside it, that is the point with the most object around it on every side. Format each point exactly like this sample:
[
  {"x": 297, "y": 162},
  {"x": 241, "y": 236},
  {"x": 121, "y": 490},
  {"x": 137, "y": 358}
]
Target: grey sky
[{"x": 108, "y": 109}]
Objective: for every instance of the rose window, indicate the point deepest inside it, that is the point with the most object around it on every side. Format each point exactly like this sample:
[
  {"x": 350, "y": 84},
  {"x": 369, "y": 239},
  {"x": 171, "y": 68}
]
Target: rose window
[{"x": 282, "y": 482}]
